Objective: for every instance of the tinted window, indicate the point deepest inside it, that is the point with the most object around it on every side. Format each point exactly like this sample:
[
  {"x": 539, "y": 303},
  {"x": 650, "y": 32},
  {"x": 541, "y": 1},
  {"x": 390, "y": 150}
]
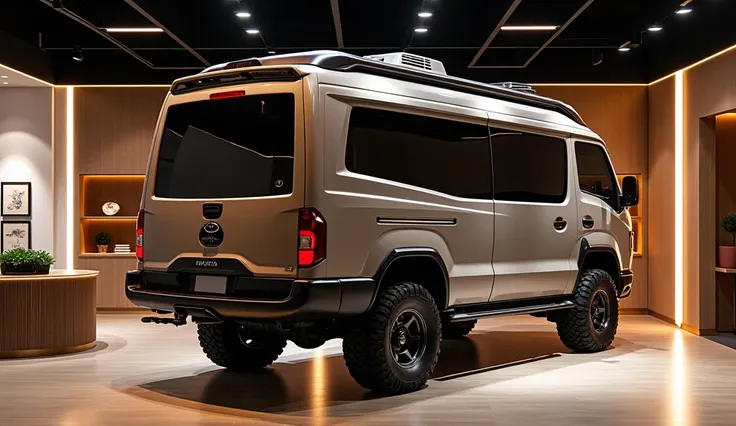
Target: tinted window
[
  {"x": 528, "y": 167},
  {"x": 595, "y": 174},
  {"x": 228, "y": 148},
  {"x": 441, "y": 155}
]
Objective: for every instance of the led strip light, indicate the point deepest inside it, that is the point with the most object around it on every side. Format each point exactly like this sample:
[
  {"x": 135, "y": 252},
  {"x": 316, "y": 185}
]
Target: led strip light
[
  {"x": 70, "y": 177},
  {"x": 679, "y": 196}
]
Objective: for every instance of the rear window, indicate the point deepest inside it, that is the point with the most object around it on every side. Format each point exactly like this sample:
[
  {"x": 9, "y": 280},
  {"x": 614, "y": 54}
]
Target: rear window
[{"x": 229, "y": 148}]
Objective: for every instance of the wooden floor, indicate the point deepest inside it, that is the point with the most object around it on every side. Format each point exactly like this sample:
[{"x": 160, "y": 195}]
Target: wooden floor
[{"x": 510, "y": 371}]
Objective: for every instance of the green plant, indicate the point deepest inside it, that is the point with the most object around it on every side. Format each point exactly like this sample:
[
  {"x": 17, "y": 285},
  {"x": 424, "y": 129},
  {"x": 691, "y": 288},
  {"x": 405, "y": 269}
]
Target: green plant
[
  {"x": 729, "y": 225},
  {"x": 103, "y": 238},
  {"x": 20, "y": 257}
]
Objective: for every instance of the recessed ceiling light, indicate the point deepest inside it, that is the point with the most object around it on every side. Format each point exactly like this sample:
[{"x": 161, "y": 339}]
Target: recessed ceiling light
[
  {"x": 420, "y": 30},
  {"x": 529, "y": 27},
  {"x": 655, "y": 28},
  {"x": 243, "y": 15},
  {"x": 425, "y": 14},
  {"x": 625, "y": 47},
  {"x": 252, "y": 31},
  {"x": 683, "y": 11},
  {"x": 134, "y": 30},
  {"x": 3, "y": 76}
]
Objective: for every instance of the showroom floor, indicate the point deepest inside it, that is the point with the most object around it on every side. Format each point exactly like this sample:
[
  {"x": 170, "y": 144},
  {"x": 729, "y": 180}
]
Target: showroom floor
[{"x": 511, "y": 371}]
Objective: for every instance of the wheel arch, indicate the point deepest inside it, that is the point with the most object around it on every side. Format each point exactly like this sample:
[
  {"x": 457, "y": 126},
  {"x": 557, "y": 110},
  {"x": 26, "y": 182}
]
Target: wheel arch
[
  {"x": 420, "y": 265},
  {"x": 597, "y": 257}
]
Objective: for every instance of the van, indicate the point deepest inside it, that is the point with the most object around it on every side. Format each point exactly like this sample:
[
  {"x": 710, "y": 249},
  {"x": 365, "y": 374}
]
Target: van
[{"x": 322, "y": 195}]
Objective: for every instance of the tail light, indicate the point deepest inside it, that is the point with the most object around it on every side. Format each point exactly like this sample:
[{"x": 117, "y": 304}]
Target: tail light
[
  {"x": 312, "y": 237},
  {"x": 139, "y": 236}
]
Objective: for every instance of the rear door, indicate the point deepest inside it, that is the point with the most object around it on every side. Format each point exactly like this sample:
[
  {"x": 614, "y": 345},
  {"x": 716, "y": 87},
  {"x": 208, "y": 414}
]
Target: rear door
[
  {"x": 536, "y": 214},
  {"x": 239, "y": 150}
]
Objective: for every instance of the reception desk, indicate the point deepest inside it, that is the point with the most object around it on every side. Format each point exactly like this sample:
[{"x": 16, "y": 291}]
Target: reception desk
[{"x": 43, "y": 315}]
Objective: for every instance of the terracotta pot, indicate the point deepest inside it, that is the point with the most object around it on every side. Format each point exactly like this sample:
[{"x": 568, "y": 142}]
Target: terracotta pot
[
  {"x": 727, "y": 257},
  {"x": 102, "y": 249}
]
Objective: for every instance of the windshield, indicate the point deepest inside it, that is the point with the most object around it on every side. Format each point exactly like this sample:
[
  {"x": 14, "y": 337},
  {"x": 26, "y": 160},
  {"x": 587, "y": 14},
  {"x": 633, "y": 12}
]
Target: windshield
[{"x": 228, "y": 148}]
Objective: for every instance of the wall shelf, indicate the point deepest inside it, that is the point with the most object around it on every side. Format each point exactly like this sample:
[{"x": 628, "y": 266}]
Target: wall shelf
[{"x": 96, "y": 190}]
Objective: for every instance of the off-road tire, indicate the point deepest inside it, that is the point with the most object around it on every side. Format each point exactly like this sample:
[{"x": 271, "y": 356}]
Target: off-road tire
[
  {"x": 457, "y": 330},
  {"x": 576, "y": 326},
  {"x": 367, "y": 343},
  {"x": 224, "y": 346}
]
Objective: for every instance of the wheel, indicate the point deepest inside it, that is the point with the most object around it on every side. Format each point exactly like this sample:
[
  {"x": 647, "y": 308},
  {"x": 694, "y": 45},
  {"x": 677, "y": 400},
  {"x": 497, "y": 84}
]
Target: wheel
[
  {"x": 395, "y": 346},
  {"x": 231, "y": 346},
  {"x": 590, "y": 325},
  {"x": 457, "y": 330}
]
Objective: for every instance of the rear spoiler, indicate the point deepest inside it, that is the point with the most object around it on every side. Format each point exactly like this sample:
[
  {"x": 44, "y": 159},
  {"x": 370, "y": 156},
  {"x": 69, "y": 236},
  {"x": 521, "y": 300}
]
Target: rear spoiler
[{"x": 238, "y": 75}]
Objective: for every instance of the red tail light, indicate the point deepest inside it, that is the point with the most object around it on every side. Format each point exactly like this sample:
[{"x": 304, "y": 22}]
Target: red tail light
[
  {"x": 227, "y": 95},
  {"x": 312, "y": 245},
  {"x": 139, "y": 236}
]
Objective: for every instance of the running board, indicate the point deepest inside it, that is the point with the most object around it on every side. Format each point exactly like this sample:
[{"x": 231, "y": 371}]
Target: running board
[{"x": 499, "y": 312}]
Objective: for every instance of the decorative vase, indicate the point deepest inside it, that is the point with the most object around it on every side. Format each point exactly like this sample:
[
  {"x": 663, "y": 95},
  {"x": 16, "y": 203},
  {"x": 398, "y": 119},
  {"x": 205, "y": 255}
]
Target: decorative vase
[
  {"x": 727, "y": 257},
  {"x": 101, "y": 248},
  {"x": 8, "y": 269}
]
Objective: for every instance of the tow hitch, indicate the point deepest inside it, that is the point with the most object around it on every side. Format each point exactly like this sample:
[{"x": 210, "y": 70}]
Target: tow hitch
[{"x": 177, "y": 320}]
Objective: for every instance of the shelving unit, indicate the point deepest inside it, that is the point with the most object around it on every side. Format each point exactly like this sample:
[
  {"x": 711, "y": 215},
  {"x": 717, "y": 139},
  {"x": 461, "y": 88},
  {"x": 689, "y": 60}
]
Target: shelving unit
[
  {"x": 96, "y": 190},
  {"x": 636, "y": 215}
]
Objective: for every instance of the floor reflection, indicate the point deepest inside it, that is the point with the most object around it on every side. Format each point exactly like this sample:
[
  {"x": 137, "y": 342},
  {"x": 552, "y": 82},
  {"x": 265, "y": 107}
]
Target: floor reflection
[{"x": 317, "y": 384}]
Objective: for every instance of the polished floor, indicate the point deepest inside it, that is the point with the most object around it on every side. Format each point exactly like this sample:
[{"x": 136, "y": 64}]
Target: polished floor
[{"x": 511, "y": 371}]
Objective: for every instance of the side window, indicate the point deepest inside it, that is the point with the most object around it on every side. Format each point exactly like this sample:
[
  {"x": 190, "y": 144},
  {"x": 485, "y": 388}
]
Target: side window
[
  {"x": 595, "y": 173},
  {"x": 442, "y": 155},
  {"x": 528, "y": 167}
]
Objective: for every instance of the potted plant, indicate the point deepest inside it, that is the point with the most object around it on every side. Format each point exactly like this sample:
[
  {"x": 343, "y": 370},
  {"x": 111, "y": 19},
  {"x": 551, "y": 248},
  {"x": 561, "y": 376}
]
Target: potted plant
[
  {"x": 727, "y": 254},
  {"x": 25, "y": 262},
  {"x": 102, "y": 239}
]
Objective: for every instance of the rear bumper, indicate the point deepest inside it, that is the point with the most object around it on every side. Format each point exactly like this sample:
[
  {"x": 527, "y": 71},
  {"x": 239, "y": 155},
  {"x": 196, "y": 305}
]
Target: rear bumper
[
  {"x": 308, "y": 299},
  {"x": 627, "y": 280}
]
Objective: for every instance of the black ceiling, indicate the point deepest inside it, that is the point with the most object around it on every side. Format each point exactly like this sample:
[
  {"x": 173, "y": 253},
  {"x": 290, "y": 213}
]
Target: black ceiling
[{"x": 585, "y": 51}]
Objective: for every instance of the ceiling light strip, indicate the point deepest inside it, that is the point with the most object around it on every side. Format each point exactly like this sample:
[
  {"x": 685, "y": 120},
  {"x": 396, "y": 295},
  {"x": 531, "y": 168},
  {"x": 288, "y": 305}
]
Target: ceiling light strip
[
  {"x": 134, "y": 30},
  {"x": 679, "y": 196},
  {"x": 700, "y": 62},
  {"x": 495, "y": 32},
  {"x": 529, "y": 27}
]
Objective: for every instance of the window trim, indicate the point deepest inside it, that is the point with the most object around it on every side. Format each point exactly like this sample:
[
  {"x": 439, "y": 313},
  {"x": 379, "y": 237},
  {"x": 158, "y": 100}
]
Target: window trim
[
  {"x": 536, "y": 132},
  {"x": 618, "y": 208}
]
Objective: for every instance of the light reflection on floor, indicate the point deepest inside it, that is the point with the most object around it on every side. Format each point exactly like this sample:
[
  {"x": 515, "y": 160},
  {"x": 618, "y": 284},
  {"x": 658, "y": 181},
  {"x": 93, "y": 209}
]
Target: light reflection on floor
[{"x": 510, "y": 371}]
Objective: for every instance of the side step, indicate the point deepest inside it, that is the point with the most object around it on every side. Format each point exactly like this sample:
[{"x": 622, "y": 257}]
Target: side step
[{"x": 504, "y": 311}]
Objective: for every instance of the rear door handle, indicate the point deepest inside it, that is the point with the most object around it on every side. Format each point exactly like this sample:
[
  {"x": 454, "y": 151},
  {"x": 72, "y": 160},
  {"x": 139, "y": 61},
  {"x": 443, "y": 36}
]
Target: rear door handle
[
  {"x": 588, "y": 222},
  {"x": 560, "y": 224}
]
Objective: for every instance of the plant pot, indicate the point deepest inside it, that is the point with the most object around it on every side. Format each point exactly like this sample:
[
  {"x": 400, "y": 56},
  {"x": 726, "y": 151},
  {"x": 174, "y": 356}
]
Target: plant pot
[
  {"x": 8, "y": 269},
  {"x": 101, "y": 248},
  {"x": 43, "y": 269},
  {"x": 727, "y": 257}
]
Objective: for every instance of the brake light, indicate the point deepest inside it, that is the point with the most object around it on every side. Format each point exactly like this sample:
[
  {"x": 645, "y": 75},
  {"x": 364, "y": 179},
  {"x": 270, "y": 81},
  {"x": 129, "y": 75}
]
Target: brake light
[
  {"x": 226, "y": 95},
  {"x": 312, "y": 246},
  {"x": 139, "y": 236}
]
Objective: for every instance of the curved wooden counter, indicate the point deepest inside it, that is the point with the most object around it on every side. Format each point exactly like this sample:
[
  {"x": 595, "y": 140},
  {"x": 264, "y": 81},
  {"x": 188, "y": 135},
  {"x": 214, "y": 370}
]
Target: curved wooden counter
[{"x": 50, "y": 314}]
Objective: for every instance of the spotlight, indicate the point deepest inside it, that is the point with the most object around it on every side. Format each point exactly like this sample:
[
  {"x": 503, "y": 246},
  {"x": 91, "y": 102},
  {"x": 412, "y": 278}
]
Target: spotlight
[
  {"x": 252, "y": 31},
  {"x": 625, "y": 47},
  {"x": 425, "y": 14},
  {"x": 243, "y": 15},
  {"x": 683, "y": 11},
  {"x": 78, "y": 55},
  {"x": 655, "y": 28},
  {"x": 420, "y": 30}
]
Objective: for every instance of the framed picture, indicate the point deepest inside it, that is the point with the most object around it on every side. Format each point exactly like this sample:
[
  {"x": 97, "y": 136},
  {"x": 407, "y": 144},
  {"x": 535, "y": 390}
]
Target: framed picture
[
  {"x": 16, "y": 198},
  {"x": 15, "y": 235}
]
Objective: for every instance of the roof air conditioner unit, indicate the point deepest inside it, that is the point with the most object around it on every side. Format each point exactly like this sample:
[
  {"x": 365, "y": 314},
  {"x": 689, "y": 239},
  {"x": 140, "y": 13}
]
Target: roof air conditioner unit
[{"x": 411, "y": 61}]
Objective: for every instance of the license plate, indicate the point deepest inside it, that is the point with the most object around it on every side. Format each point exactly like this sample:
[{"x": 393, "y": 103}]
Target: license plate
[{"x": 210, "y": 284}]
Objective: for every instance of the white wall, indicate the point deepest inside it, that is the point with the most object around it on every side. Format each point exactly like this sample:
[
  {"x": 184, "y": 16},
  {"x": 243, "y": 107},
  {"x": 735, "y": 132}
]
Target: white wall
[{"x": 26, "y": 154}]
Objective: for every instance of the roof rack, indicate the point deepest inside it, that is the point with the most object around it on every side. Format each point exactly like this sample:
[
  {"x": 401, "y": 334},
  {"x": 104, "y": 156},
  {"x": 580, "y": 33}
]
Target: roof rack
[{"x": 339, "y": 61}]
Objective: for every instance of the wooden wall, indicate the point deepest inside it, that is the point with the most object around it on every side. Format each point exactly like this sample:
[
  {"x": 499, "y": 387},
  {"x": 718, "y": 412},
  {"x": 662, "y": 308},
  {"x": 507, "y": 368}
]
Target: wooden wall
[
  {"x": 725, "y": 203},
  {"x": 113, "y": 134},
  {"x": 619, "y": 115}
]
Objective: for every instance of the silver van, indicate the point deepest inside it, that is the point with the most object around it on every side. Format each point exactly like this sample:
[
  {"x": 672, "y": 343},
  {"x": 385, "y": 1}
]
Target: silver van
[{"x": 322, "y": 195}]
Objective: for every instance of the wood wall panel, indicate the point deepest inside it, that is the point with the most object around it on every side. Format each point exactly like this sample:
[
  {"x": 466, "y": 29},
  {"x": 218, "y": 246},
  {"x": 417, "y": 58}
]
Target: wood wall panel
[
  {"x": 619, "y": 114},
  {"x": 114, "y": 128},
  {"x": 111, "y": 280},
  {"x": 661, "y": 200}
]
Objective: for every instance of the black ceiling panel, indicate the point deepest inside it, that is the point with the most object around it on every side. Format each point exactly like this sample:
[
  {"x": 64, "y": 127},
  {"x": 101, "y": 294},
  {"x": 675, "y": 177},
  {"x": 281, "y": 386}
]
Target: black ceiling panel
[{"x": 586, "y": 51}]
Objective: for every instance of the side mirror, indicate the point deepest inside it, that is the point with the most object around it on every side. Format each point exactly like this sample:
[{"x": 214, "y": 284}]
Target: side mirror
[{"x": 630, "y": 190}]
